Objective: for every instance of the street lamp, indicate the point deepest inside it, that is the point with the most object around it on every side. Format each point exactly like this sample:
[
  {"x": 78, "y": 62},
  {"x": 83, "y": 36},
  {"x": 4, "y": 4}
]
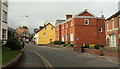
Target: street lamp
[{"x": 21, "y": 20}]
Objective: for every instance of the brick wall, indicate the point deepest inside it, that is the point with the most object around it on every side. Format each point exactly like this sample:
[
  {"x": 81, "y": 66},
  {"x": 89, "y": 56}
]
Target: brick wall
[
  {"x": 110, "y": 30},
  {"x": 101, "y": 37},
  {"x": 88, "y": 34}
]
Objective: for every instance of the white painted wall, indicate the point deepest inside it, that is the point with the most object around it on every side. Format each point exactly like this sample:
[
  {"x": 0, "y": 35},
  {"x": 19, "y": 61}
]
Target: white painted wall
[{"x": 3, "y": 25}]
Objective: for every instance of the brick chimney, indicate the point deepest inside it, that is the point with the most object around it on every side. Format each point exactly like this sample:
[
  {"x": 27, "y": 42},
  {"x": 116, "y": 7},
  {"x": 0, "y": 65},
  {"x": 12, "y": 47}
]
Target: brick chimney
[
  {"x": 102, "y": 16},
  {"x": 68, "y": 16}
]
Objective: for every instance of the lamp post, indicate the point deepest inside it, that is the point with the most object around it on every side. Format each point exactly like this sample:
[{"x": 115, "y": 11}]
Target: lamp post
[{"x": 21, "y": 20}]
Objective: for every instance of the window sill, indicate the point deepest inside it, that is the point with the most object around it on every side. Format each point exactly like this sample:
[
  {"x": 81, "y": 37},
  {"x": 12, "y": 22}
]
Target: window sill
[
  {"x": 4, "y": 22},
  {"x": 86, "y": 24}
]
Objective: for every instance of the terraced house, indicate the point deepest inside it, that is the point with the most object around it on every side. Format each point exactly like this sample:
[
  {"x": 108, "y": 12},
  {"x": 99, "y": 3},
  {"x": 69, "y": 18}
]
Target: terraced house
[
  {"x": 83, "y": 28},
  {"x": 113, "y": 30},
  {"x": 45, "y": 35},
  {"x": 3, "y": 19}
]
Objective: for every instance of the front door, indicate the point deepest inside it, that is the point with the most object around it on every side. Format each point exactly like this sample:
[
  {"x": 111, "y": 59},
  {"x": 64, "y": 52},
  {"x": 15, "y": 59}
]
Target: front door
[{"x": 113, "y": 41}]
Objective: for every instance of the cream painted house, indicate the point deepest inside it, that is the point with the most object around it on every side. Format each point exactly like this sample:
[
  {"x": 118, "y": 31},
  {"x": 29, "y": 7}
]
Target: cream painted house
[{"x": 3, "y": 19}]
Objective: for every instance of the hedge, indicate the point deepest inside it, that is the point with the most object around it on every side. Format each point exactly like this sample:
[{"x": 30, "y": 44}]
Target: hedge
[
  {"x": 58, "y": 42},
  {"x": 13, "y": 43},
  {"x": 93, "y": 46}
]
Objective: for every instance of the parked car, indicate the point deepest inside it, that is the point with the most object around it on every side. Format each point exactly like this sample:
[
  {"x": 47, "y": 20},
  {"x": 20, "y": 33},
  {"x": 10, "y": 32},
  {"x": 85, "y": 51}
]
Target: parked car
[{"x": 27, "y": 41}]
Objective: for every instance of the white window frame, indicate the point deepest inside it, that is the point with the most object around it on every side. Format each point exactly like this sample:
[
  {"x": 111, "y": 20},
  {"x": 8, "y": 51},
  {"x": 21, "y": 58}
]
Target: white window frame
[
  {"x": 119, "y": 22},
  {"x": 100, "y": 30},
  {"x": 107, "y": 26},
  {"x": 71, "y": 23},
  {"x": 63, "y": 38},
  {"x": 113, "y": 40},
  {"x": 52, "y": 28},
  {"x": 57, "y": 28},
  {"x": 44, "y": 34},
  {"x": 71, "y": 37},
  {"x": 85, "y": 21},
  {"x": 4, "y": 32},
  {"x": 113, "y": 24},
  {"x": 62, "y": 26},
  {"x": 66, "y": 37},
  {"x": 66, "y": 25},
  {"x": 4, "y": 16}
]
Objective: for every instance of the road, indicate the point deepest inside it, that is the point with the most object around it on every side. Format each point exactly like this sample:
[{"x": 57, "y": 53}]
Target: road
[{"x": 42, "y": 56}]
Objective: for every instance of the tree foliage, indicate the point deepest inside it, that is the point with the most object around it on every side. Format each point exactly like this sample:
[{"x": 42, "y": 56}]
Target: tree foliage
[
  {"x": 25, "y": 27},
  {"x": 31, "y": 36}
]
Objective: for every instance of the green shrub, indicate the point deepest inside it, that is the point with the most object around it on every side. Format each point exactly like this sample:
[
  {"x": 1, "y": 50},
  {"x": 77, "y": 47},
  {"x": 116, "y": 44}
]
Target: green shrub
[
  {"x": 13, "y": 43},
  {"x": 68, "y": 42},
  {"x": 72, "y": 45},
  {"x": 65, "y": 45},
  {"x": 98, "y": 46},
  {"x": 91, "y": 46},
  {"x": 1, "y": 42},
  {"x": 58, "y": 42},
  {"x": 85, "y": 46}
]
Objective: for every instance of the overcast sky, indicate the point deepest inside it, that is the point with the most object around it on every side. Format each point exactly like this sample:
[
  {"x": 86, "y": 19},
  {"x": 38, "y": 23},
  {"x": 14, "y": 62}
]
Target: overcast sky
[{"x": 40, "y": 11}]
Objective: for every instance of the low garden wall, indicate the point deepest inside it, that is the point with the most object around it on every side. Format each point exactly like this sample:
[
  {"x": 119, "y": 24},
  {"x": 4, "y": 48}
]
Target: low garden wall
[
  {"x": 93, "y": 51},
  {"x": 113, "y": 54},
  {"x": 98, "y": 52},
  {"x": 105, "y": 51}
]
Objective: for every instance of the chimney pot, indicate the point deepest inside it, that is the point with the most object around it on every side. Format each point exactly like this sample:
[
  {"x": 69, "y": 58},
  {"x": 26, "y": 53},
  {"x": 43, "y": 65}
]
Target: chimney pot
[
  {"x": 68, "y": 16},
  {"x": 102, "y": 16}
]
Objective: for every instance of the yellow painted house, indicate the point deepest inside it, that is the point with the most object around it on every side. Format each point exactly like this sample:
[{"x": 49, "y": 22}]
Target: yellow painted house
[{"x": 46, "y": 34}]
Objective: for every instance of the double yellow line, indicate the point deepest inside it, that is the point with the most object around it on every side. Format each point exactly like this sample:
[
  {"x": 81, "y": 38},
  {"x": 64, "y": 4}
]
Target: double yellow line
[{"x": 47, "y": 64}]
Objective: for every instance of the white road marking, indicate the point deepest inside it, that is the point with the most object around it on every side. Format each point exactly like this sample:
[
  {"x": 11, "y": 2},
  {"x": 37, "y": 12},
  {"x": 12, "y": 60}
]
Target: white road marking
[{"x": 47, "y": 64}]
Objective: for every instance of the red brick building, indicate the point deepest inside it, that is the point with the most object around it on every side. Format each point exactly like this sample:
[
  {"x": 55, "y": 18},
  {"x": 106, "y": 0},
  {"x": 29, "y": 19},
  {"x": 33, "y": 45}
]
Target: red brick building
[
  {"x": 83, "y": 28},
  {"x": 113, "y": 30}
]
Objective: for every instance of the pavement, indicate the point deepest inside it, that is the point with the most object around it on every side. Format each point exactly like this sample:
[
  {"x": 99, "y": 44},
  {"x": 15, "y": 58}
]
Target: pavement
[{"x": 29, "y": 59}]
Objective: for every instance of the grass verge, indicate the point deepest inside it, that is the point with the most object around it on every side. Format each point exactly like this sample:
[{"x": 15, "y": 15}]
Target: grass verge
[{"x": 8, "y": 55}]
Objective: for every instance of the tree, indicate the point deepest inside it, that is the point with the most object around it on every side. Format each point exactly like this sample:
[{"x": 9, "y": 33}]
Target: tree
[
  {"x": 11, "y": 34},
  {"x": 25, "y": 27},
  {"x": 31, "y": 36}
]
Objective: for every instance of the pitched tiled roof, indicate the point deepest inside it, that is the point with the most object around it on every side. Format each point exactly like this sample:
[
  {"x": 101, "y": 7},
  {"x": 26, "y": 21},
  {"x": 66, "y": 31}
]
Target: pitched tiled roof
[
  {"x": 25, "y": 30},
  {"x": 45, "y": 26},
  {"x": 114, "y": 15},
  {"x": 60, "y": 21},
  {"x": 85, "y": 11},
  {"x": 77, "y": 16}
]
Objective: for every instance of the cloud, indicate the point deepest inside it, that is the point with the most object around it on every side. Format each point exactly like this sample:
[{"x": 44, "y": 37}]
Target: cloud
[
  {"x": 63, "y": 0},
  {"x": 39, "y": 12}
]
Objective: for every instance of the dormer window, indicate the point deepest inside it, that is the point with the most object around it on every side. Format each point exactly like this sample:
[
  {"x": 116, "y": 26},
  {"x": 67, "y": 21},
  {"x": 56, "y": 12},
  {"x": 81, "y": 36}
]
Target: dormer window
[{"x": 86, "y": 22}]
